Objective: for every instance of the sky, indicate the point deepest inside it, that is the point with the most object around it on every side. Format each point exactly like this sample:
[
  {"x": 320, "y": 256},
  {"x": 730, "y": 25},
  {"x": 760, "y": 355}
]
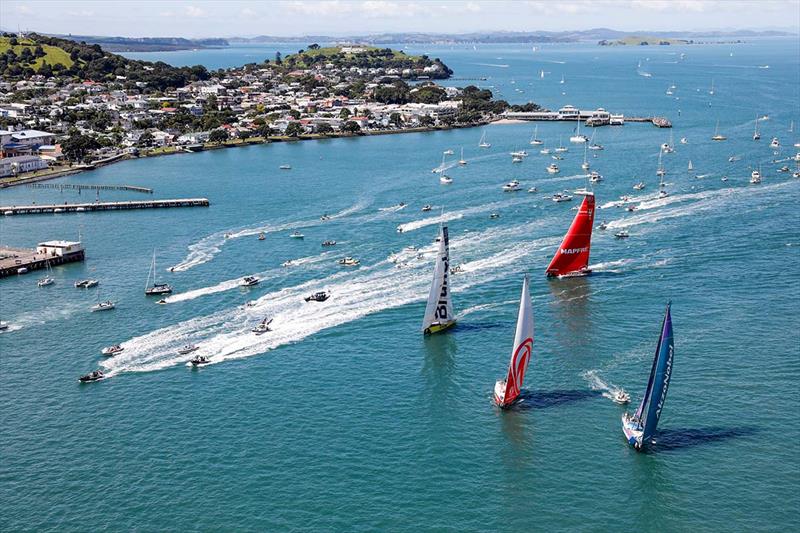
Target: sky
[{"x": 205, "y": 18}]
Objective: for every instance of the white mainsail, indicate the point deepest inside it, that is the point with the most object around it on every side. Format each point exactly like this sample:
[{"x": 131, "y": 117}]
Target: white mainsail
[
  {"x": 508, "y": 390},
  {"x": 439, "y": 311}
]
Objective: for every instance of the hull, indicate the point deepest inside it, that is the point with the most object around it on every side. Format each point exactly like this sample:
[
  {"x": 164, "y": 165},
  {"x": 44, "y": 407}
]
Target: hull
[
  {"x": 633, "y": 435},
  {"x": 438, "y": 328},
  {"x": 498, "y": 395},
  {"x": 576, "y": 274}
]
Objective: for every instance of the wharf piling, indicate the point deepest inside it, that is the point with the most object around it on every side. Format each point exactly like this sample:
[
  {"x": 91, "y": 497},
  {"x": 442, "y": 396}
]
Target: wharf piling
[
  {"x": 101, "y": 206},
  {"x": 80, "y": 187}
]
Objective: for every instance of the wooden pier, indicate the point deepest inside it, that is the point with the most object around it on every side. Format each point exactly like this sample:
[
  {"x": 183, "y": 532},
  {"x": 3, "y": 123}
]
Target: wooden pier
[
  {"x": 15, "y": 261},
  {"x": 79, "y": 187},
  {"x": 101, "y": 206}
]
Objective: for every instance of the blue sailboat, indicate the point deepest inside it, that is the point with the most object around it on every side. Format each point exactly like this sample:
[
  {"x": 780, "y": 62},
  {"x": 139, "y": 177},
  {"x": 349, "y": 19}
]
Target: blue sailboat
[{"x": 640, "y": 427}]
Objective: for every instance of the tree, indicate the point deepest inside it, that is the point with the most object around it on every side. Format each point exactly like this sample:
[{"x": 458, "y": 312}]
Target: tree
[
  {"x": 395, "y": 119},
  {"x": 145, "y": 139},
  {"x": 294, "y": 129},
  {"x": 351, "y": 127},
  {"x": 77, "y": 146},
  {"x": 218, "y": 136},
  {"x": 314, "y": 46},
  {"x": 426, "y": 120},
  {"x": 324, "y": 128},
  {"x": 278, "y": 60},
  {"x": 344, "y": 114},
  {"x": 294, "y": 113}
]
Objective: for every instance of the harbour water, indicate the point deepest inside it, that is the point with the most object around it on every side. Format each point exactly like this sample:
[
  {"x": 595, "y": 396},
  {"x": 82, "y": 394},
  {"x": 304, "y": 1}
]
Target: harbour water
[{"x": 344, "y": 417}]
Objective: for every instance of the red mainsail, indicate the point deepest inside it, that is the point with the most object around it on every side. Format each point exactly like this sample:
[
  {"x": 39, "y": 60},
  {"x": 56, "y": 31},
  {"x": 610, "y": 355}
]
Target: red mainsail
[{"x": 572, "y": 257}]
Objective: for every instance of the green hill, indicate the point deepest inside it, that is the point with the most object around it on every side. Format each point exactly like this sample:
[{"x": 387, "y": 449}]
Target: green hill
[{"x": 52, "y": 55}]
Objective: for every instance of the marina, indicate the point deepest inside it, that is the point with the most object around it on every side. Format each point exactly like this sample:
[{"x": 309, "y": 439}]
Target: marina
[
  {"x": 101, "y": 206},
  {"x": 15, "y": 261}
]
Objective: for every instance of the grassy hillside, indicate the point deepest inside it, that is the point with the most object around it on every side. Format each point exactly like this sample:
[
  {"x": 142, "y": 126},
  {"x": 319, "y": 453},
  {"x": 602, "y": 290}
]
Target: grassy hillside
[
  {"x": 369, "y": 57},
  {"x": 53, "y": 54}
]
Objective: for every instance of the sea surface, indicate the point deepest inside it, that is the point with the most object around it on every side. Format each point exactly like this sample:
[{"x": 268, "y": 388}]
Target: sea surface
[{"x": 345, "y": 418}]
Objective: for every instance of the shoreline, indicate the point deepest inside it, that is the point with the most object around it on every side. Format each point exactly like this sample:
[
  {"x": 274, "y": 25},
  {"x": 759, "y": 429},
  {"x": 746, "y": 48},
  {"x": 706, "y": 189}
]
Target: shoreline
[{"x": 251, "y": 141}]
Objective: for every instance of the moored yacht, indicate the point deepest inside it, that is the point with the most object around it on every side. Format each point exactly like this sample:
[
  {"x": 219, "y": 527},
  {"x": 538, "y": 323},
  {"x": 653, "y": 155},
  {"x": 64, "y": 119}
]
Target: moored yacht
[
  {"x": 511, "y": 186},
  {"x": 108, "y": 305},
  {"x": 553, "y": 169}
]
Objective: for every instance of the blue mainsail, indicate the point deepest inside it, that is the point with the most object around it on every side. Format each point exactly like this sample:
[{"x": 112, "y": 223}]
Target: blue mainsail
[{"x": 658, "y": 384}]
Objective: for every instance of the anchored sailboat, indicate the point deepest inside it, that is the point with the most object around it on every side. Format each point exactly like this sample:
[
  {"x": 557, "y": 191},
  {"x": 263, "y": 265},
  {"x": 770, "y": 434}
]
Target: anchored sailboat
[
  {"x": 483, "y": 143},
  {"x": 439, "y": 311},
  {"x": 156, "y": 288},
  {"x": 572, "y": 257},
  {"x": 640, "y": 427},
  {"x": 506, "y": 391},
  {"x": 535, "y": 141}
]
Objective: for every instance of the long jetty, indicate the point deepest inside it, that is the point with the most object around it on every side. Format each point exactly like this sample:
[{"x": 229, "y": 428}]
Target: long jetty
[
  {"x": 101, "y": 206},
  {"x": 80, "y": 187}
]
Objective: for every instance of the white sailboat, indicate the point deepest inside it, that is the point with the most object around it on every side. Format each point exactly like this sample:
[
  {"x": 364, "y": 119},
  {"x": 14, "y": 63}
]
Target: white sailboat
[
  {"x": 717, "y": 135},
  {"x": 691, "y": 167},
  {"x": 462, "y": 161},
  {"x": 561, "y": 147},
  {"x": 48, "y": 279},
  {"x": 507, "y": 391},
  {"x": 578, "y": 138},
  {"x": 483, "y": 143},
  {"x": 756, "y": 134},
  {"x": 585, "y": 164},
  {"x": 562, "y": 80},
  {"x": 711, "y": 91},
  {"x": 156, "y": 288},
  {"x": 535, "y": 139},
  {"x": 660, "y": 171},
  {"x": 439, "y": 310}
]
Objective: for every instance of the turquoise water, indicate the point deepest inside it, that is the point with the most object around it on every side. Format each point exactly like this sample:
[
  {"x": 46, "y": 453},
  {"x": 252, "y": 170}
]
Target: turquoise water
[{"x": 345, "y": 417}]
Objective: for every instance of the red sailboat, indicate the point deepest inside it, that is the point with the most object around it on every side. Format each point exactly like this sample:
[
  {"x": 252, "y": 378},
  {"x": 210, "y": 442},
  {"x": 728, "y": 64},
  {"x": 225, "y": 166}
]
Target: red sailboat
[
  {"x": 507, "y": 391},
  {"x": 572, "y": 257}
]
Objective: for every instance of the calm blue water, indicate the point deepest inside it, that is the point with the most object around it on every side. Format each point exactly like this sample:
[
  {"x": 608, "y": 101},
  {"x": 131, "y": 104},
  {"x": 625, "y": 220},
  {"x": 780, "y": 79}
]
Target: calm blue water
[{"x": 345, "y": 417}]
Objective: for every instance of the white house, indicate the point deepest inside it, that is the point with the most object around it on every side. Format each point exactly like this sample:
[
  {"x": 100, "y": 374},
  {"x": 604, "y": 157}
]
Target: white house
[{"x": 10, "y": 166}]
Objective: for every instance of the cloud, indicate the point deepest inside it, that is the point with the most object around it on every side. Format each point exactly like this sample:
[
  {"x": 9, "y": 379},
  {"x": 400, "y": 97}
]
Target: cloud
[
  {"x": 25, "y": 10},
  {"x": 194, "y": 11},
  {"x": 247, "y": 12}
]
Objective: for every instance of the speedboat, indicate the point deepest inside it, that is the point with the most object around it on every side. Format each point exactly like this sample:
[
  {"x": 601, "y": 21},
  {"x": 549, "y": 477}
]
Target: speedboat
[
  {"x": 796, "y": 174},
  {"x": 287, "y": 263},
  {"x": 444, "y": 179},
  {"x": 187, "y": 349},
  {"x": 511, "y": 186},
  {"x": 108, "y": 305},
  {"x": 296, "y": 235},
  {"x": 325, "y": 217},
  {"x": 95, "y": 375},
  {"x": 249, "y": 281},
  {"x": 285, "y": 167},
  {"x": 684, "y": 140},
  {"x": 516, "y": 159},
  {"x": 622, "y": 234},
  {"x": 448, "y": 152},
  {"x": 595, "y": 176},
  {"x": 559, "y": 197},
  {"x": 621, "y": 397},
  {"x": 662, "y": 193},
  {"x": 3, "y": 325},
  {"x": 112, "y": 350},
  {"x": 533, "y": 189},
  {"x": 349, "y": 261},
  {"x": 494, "y": 215},
  {"x": 639, "y": 186},
  {"x": 519, "y": 153},
  {"x": 595, "y": 146},
  {"x": 86, "y": 283},
  {"x": 602, "y": 225},
  {"x": 426, "y": 207},
  {"x": 328, "y": 243},
  {"x": 320, "y": 296},
  {"x": 544, "y": 151},
  {"x": 784, "y": 168},
  {"x": 458, "y": 269},
  {"x": 262, "y": 327},
  {"x": 158, "y": 288},
  {"x": 200, "y": 360},
  {"x": 553, "y": 168},
  {"x": 45, "y": 281},
  {"x": 261, "y": 236},
  {"x": 755, "y": 177},
  {"x": 162, "y": 301},
  {"x": 775, "y": 143}
]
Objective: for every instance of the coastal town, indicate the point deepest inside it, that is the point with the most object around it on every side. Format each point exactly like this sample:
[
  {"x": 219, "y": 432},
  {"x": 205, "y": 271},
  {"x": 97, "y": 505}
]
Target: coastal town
[{"x": 55, "y": 121}]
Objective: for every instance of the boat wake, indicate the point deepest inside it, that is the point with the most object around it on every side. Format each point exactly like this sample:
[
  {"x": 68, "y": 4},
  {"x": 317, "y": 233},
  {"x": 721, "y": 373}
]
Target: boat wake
[
  {"x": 597, "y": 383},
  {"x": 455, "y": 215}
]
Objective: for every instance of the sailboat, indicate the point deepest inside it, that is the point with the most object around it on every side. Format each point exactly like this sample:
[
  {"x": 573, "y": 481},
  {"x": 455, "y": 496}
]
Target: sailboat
[
  {"x": 660, "y": 171},
  {"x": 640, "y": 427},
  {"x": 506, "y": 391},
  {"x": 578, "y": 138},
  {"x": 562, "y": 80},
  {"x": 585, "y": 164},
  {"x": 717, "y": 136},
  {"x": 156, "y": 288},
  {"x": 711, "y": 92},
  {"x": 462, "y": 161},
  {"x": 48, "y": 279},
  {"x": 535, "y": 140},
  {"x": 439, "y": 310},
  {"x": 483, "y": 143},
  {"x": 756, "y": 135},
  {"x": 691, "y": 167},
  {"x": 572, "y": 257},
  {"x": 561, "y": 147}
]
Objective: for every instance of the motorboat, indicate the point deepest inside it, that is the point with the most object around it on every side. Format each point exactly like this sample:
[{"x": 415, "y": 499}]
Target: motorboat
[
  {"x": 86, "y": 283},
  {"x": 560, "y": 197},
  {"x": 784, "y": 168},
  {"x": 200, "y": 360},
  {"x": 426, "y": 208},
  {"x": 622, "y": 234},
  {"x": 533, "y": 190},
  {"x": 494, "y": 215},
  {"x": 775, "y": 143},
  {"x": 261, "y": 236},
  {"x": 511, "y": 186},
  {"x": 755, "y": 177},
  {"x": 287, "y": 263},
  {"x": 445, "y": 179},
  {"x": 45, "y": 281},
  {"x": 262, "y": 327},
  {"x": 448, "y": 152},
  {"x": 349, "y": 261},
  {"x": 328, "y": 243},
  {"x": 187, "y": 349},
  {"x": 595, "y": 177},
  {"x": 519, "y": 153},
  {"x": 796, "y": 174},
  {"x": 544, "y": 151},
  {"x": 621, "y": 397},
  {"x": 553, "y": 168},
  {"x": 724, "y": 178},
  {"x": 631, "y": 208},
  {"x": 296, "y": 235},
  {"x": 662, "y": 193},
  {"x": 108, "y": 305},
  {"x": 95, "y": 375},
  {"x": 320, "y": 296},
  {"x": 162, "y": 301},
  {"x": 684, "y": 140},
  {"x": 3, "y": 325},
  {"x": 458, "y": 269},
  {"x": 516, "y": 159},
  {"x": 249, "y": 281},
  {"x": 325, "y": 217},
  {"x": 251, "y": 303},
  {"x": 112, "y": 350},
  {"x": 557, "y": 157},
  {"x": 639, "y": 186},
  {"x": 602, "y": 225},
  {"x": 285, "y": 167}
]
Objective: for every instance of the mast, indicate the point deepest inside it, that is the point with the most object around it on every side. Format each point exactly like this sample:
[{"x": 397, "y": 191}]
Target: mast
[
  {"x": 439, "y": 309},
  {"x": 572, "y": 256},
  {"x": 152, "y": 272},
  {"x": 522, "y": 349},
  {"x": 659, "y": 379}
]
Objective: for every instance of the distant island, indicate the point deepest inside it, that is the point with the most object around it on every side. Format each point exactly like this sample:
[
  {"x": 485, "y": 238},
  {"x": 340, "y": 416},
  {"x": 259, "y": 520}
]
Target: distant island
[
  {"x": 652, "y": 40},
  {"x": 146, "y": 44}
]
